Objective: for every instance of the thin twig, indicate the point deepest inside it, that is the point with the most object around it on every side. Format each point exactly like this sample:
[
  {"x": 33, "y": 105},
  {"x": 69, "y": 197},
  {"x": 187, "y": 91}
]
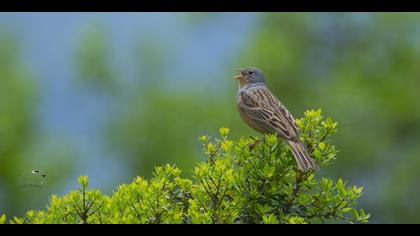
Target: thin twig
[{"x": 299, "y": 179}]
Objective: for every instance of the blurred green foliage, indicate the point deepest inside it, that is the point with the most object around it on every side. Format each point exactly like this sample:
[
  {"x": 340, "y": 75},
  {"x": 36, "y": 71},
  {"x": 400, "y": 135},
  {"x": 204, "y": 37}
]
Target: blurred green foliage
[
  {"x": 92, "y": 61},
  {"x": 238, "y": 183},
  {"x": 160, "y": 117},
  {"x": 23, "y": 148},
  {"x": 17, "y": 94}
]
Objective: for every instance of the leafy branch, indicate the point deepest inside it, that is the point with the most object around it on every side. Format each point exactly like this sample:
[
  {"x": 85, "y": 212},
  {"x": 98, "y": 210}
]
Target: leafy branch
[{"x": 240, "y": 183}]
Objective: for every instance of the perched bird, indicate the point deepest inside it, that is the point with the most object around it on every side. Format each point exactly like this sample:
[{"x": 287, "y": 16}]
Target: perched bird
[{"x": 266, "y": 114}]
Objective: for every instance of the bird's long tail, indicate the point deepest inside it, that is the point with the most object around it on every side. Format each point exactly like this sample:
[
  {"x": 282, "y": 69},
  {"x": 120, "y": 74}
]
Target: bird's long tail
[{"x": 304, "y": 161}]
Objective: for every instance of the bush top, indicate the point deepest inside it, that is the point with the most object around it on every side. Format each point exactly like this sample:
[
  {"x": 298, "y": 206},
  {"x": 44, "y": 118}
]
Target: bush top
[{"x": 241, "y": 182}]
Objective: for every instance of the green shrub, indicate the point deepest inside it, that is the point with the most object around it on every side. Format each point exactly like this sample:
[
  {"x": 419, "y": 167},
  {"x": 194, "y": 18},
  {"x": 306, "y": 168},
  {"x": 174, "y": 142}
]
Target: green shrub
[{"x": 239, "y": 183}]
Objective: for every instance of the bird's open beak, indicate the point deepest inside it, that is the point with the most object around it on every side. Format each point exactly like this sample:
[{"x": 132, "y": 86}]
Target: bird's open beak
[
  {"x": 241, "y": 76},
  {"x": 238, "y": 77}
]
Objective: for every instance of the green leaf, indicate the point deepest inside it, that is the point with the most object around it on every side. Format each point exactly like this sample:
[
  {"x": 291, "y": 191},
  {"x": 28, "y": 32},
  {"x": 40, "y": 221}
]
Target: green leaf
[
  {"x": 203, "y": 139},
  {"x": 226, "y": 145},
  {"x": 211, "y": 148},
  {"x": 2, "y": 219},
  {"x": 321, "y": 146},
  {"x": 269, "y": 171},
  {"x": 83, "y": 180},
  {"x": 347, "y": 209},
  {"x": 355, "y": 213},
  {"x": 297, "y": 220},
  {"x": 17, "y": 220},
  {"x": 271, "y": 139},
  {"x": 317, "y": 154},
  {"x": 270, "y": 219},
  {"x": 224, "y": 132}
]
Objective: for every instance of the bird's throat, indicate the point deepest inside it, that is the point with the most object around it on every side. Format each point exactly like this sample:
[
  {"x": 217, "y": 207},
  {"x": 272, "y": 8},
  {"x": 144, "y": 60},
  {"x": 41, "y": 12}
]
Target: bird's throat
[{"x": 242, "y": 83}]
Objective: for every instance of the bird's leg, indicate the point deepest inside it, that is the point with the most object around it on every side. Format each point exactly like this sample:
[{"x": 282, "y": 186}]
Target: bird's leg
[{"x": 257, "y": 141}]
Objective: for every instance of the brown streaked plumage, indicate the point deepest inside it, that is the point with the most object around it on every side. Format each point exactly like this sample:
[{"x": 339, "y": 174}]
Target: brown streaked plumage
[{"x": 266, "y": 114}]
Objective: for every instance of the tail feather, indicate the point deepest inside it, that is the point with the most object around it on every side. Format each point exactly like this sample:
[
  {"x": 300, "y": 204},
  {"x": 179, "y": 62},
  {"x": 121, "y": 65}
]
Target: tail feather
[{"x": 304, "y": 161}]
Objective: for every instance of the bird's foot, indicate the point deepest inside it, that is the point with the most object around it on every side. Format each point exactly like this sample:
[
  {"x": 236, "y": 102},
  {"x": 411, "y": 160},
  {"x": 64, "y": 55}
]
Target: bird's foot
[{"x": 258, "y": 141}]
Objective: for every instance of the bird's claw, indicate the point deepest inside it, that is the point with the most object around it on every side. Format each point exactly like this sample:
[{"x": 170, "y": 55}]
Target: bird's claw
[{"x": 252, "y": 145}]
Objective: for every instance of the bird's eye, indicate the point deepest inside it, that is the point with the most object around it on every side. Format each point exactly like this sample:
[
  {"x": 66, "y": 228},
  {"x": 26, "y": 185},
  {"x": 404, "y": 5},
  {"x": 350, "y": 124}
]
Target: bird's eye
[{"x": 250, "y": 72}]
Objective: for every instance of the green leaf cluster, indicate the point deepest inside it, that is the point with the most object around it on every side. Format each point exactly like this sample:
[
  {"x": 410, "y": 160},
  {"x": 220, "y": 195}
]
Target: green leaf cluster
[{"x": 245, "y": 181}]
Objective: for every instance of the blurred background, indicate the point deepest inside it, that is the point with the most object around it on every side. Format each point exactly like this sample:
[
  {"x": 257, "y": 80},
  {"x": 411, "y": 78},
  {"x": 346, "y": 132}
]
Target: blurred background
[{"x": 111, "y": 95}]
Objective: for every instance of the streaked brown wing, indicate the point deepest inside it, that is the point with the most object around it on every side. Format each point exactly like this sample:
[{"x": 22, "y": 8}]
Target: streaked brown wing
[
  {"x": 285, "y": 113},
  {"x": 262, "y": 107}
]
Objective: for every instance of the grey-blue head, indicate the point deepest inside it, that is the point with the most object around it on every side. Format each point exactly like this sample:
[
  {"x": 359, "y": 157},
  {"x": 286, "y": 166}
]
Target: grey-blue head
[{"x": 250, "y": 75}]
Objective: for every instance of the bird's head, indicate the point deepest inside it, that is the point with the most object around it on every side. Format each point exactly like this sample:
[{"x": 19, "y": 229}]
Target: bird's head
[{"x": 250, "y": 75}]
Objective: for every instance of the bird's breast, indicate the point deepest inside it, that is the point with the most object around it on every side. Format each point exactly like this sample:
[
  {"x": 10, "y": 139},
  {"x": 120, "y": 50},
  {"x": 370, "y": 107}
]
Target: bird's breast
[{"x": 248, "y": 120}]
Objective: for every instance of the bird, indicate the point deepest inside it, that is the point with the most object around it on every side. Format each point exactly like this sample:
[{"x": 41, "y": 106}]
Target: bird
[{"x": 263, "y": 112}]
